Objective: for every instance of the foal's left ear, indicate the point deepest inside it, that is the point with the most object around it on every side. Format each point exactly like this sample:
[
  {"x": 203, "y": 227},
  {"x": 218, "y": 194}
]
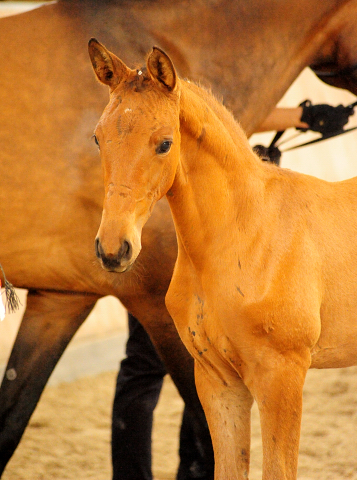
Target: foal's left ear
[
  {"x": 109, "y": 69},
  {"x": 162, "y": 69}
]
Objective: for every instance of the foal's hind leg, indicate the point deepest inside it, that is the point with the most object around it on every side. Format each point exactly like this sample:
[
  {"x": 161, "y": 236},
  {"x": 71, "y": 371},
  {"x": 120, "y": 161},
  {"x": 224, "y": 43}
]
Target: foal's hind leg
[
  {"x": 227, "y": 404},
  {"x": 49, "y": 323}
]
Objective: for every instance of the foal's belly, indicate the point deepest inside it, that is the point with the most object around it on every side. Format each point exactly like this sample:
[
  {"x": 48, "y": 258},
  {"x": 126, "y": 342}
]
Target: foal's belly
[
  {"x": 338, "y": 356},
  {"x": 337, "y": 344}
]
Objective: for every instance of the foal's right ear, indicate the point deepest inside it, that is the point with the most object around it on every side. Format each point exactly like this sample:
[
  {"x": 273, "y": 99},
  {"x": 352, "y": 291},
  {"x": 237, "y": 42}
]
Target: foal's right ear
[
  {"x": 109, "y": 69},
  {"x": 162, "y": 69}
]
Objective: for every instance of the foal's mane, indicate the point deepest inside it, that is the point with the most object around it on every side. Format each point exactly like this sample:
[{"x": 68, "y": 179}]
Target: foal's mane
[{"x": 226, "y": 118}]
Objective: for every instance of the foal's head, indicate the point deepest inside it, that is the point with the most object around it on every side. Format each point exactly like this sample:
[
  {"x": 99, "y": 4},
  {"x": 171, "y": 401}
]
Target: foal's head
[{"x": 139, "y": 141}]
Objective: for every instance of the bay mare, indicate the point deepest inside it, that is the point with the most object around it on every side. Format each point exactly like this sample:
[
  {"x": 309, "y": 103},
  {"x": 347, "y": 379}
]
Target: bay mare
[
  {"x": 51, "y": 191},
  {"x": 256, "y": 307}
]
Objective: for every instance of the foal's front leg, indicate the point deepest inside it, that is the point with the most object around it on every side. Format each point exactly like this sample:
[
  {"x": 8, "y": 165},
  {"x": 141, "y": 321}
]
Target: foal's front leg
[
  {"x": 277, "y": 386},
  {"x": 227, "y": 404}
]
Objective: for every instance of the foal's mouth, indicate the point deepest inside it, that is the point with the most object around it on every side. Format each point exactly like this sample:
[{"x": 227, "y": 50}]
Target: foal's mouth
[
  {"x": 117, "y": 269},
  {"x": 119, "y": 262}
]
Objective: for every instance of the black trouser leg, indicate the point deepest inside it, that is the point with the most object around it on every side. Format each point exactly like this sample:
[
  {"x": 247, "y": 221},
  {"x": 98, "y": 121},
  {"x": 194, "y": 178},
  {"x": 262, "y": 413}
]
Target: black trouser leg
[
  {"x": 138, "y": 388},
  {"x": 137, "y": 392},
  {"x": 191, "y": 462}
]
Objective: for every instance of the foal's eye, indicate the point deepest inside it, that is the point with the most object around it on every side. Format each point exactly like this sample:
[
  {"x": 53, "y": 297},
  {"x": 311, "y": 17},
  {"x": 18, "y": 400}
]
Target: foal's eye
[{"x": 164, "y": 147}]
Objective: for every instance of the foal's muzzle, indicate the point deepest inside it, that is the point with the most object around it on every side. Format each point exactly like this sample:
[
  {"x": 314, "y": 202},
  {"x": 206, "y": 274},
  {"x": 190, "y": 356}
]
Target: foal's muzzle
[{"x": 117, "y": 262}]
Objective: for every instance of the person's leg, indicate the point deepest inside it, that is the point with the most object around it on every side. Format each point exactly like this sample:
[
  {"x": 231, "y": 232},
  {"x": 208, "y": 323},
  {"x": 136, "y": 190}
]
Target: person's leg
[
  {"x": 138, "y": 388},
  {"x": 191, "y": 462}
]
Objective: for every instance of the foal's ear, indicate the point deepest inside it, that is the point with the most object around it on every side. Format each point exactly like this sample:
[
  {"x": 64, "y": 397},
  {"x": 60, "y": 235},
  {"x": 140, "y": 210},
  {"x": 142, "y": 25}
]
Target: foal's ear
[
  {"x": 162, "y": 69},
  {"x": 109, "y": 69}
]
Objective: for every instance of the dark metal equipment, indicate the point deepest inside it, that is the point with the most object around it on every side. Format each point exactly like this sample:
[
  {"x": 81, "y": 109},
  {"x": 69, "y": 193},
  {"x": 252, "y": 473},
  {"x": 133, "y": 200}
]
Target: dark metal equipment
[{"x": 324, "y": 119}]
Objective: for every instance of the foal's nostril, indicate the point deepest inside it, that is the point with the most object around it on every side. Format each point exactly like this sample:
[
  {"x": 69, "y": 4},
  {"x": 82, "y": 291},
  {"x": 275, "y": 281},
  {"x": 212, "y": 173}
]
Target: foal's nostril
[
  {"x": 125, "y": 250},
  {"x": 98, "y": 248}
]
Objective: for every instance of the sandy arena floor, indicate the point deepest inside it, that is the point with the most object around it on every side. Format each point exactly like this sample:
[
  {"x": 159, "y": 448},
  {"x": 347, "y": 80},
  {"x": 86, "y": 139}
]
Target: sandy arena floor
[{"x": 69, "y": 435}]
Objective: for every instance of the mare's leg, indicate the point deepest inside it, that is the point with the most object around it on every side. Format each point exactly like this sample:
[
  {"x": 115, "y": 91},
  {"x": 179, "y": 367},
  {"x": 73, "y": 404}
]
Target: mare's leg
[
  {"x": 49, "y": 323},
  {"x": 227, "y": 403},
  {"x": 138, "y": 388},
  {"x": 277, "y": 386}
]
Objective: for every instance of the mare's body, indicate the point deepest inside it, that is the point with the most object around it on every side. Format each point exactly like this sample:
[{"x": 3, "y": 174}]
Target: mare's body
[
  {"x": 50, "y": 180},
  {"x": 265, "y": 282}
]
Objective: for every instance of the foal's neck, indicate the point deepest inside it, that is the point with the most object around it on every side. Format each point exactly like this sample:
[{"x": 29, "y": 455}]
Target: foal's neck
[
  {"x": 206, "y": 120},
  {"x": 219, "y": 179}
]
